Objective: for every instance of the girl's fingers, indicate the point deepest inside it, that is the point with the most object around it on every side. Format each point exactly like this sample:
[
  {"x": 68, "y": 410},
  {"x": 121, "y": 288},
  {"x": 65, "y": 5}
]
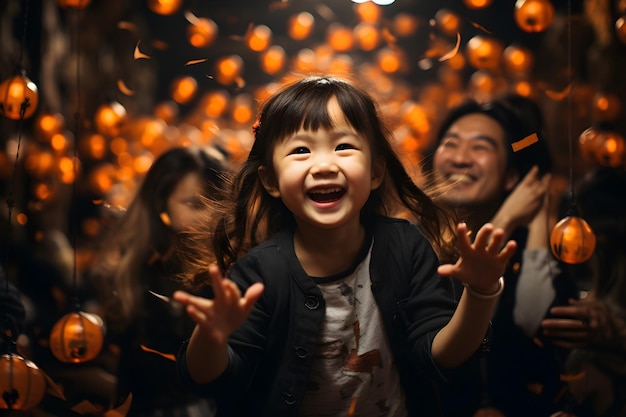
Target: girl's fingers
[
  {"x": 483, "y": 236},
  {"x": 463, "y": 237}
]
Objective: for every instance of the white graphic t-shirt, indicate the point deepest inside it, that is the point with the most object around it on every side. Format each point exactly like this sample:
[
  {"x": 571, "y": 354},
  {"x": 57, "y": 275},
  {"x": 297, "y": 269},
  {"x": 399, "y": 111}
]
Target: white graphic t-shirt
[{"x": 353, "y": 372}]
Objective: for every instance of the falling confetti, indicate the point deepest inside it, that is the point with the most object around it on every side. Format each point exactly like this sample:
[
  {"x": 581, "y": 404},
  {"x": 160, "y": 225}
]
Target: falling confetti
[
  {"x": 138, "y": 54},
  {"x": 452, "y": 53},
  {"x": 524, "y": 143}
]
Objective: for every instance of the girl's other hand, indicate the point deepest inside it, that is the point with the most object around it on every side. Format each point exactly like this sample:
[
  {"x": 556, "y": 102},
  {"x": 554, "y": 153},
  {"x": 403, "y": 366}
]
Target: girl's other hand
[
  {"x": 482, "y": 262},
  {"x": 219, "y": 317}
]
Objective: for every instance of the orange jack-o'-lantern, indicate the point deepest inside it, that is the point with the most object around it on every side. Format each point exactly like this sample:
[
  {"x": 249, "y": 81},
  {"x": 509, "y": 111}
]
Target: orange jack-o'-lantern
[
  {"x": 572, "y": 240},
  {"x": 22, "y": 383},
  {"x": 77, "y": 337},
  {"x": 534, "y": 15},
  {"x": 19, "y": 97}
]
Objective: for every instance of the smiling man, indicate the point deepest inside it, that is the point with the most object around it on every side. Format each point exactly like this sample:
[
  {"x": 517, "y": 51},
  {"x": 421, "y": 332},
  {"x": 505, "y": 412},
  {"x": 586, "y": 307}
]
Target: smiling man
[{"x": 474, "y": 171}]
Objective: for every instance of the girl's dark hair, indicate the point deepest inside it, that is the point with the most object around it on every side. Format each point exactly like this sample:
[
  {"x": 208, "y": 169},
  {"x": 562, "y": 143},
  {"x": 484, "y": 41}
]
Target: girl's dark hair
[
  {"x": 256, "y": 215},
  {"x": 519, "y": 117}
]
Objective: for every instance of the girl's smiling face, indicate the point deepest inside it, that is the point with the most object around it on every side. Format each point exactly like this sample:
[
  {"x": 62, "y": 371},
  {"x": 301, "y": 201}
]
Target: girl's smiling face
[{"x": 324, "y": 177}]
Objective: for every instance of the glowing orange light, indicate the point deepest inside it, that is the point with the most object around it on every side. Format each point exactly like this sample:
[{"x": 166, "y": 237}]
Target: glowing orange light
[
  {"x": 477, "y": 4},
  {"x": 48, "y": 124},
  {"x": 524, "y": 88},
  {"x": 202, "y": 32},
  {"x": 339, "y": 37},
  {"x": 607, "y": 107},
  {"x": 109, "y": 118},
  {"x": 215, "y": 103},
  {"x": 404, "y": 24},
  {"x": 572, "y": 240},
  {"x": 367, "y": 36},
  {"x": 68, "y": 168},
  {"x": 17, "y": 94},
  {"x": 40, "y": 164},
  {"x": 610, "y": 149},
  {"x": 118, "y": 145},
  {"x": 22, "y": 219},
  {"x": 484, "y": 52},
  {"x": 518, "y": 59},
  {"x": 97, "y": 146},
  {"x": 143, "y": 162},
  {"x": 77, "y": 4},
  {"x": 367, "y": 12},
  {"x": 301, "y": 25},
  {"x": 273, "y": 60},
  {"x": 304, "y": 61},
  {"x": 259, "y": 38},
  {"x": 183, "y": 89},
  {"x": 448, "y": 22},
  {"x": 166, "y": 111},
  {"x": 164, "y": 7},
  {"x": 388, "y": 60},
  {"x": 534, "y": 15},
  {"x": 228, "y": 69}
]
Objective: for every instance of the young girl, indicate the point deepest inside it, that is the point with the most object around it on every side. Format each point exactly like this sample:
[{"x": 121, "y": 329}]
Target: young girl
[{"x": 344, "y": 309}]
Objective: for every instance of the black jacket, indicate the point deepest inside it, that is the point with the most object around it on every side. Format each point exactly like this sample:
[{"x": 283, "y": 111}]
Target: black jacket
[{"x": 271, "y": 353}]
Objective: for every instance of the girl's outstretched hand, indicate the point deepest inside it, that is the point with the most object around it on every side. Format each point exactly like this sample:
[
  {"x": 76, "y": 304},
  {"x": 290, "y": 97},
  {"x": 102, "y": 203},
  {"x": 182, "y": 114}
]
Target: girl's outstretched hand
[
  {"x": 482, "y": 262},
  {"x": 219, "y": 317}
]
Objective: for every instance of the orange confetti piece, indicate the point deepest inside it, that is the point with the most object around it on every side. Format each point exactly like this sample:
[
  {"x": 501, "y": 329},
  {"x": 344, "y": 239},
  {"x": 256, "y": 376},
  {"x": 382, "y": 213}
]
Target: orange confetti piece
[
  {"x": 138, "y": 54},
  {"x": 558, "y": 95},
  {"x": 480, "y": 27},
  {"x": 537, "y": 342},
  {"x": 390, "y": 38},
  {"x": 195, "y": 61},
  {"x": 124, "y": 89},
  {"x": 454, "y": 50},
  {"x": 525, "y": 143},
  {"x": 191, "y": 18},
  {"x": 165, "y": 355},
  {"x": 535, "y": 387},
  {"x": 352, "y": 408},
  {"x": 97, "y": 202},
  {"x": 572, "y": 377},
  {"x": 160, "y": 45},
  {"x": 127, "y": 25}
]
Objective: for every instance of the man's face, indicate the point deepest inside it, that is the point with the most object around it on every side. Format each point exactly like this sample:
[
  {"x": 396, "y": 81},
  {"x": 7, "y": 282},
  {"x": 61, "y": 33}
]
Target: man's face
[{"x": 470, "y": 163}]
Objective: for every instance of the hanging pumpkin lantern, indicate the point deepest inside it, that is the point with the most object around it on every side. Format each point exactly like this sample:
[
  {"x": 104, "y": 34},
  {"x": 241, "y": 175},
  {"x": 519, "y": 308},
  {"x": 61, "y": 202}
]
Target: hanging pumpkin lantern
[
  {"x": 534, "y": 15},
  {"x": 77, "y": 337},
  {"x": 572, "y": 240},
  {"x": 518, "y": 59},
  {"x": 588, "y": 143},
  {"x": 17, "y": 93},
  {"x": 609, "y": 149},
  {"x": 22, "y": 383},
  {"x": 484, "y": 52}
]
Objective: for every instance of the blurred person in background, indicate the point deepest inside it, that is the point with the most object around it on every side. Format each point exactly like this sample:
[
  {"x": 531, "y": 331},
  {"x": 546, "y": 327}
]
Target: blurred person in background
[
  {"x": 595, "y": 327},
  {"x": 474, "y": 170},
  {"x": 136, "y": 273}
]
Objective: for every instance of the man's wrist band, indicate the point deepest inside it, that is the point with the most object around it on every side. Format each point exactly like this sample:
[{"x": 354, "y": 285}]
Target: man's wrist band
[{"x": 484, "y": 296}]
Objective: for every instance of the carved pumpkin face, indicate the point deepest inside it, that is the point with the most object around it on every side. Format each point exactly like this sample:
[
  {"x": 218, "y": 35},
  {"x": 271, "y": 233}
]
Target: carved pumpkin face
[
  {"x": 22, "y": 383},
  {"x": 77, "y": 337}
]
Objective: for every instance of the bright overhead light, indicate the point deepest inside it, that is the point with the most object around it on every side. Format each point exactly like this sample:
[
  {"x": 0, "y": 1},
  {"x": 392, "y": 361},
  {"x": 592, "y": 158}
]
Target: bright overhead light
[{"x": 378, "y": 2}]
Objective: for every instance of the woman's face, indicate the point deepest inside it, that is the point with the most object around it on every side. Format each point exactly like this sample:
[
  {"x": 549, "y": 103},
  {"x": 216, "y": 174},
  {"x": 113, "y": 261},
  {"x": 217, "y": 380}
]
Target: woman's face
[
  {"x": 470, "y": 162},
  {"x": 184, "y": 207}
]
